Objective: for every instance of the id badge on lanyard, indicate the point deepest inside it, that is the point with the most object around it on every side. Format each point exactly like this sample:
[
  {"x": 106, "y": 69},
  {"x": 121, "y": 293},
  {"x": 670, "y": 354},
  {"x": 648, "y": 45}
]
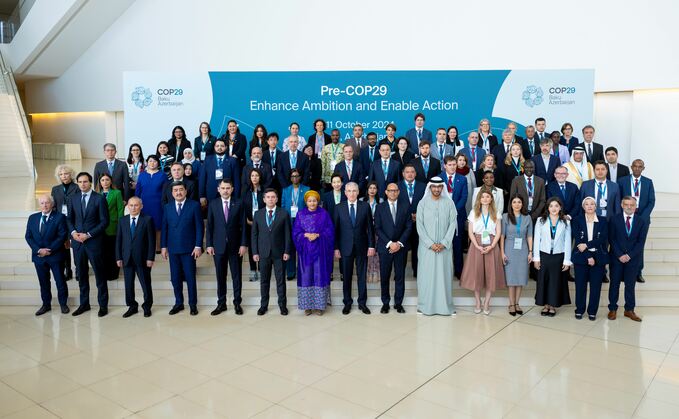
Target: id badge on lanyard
[
  {"x": 64, "y": 209},
  {"x": 219, "y": 174},
  {"x": 202, "y": 156}
]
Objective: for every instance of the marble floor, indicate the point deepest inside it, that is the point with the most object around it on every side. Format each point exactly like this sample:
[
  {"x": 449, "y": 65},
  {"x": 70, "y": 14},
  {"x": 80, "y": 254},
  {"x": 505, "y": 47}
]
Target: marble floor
[{"x": 335, "y": 366}]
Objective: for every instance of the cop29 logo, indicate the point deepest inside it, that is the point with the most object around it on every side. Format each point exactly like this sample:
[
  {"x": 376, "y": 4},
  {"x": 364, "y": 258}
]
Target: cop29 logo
[
  {"x": 142, "y": 97},
  {"x": 532, "y": 96}
]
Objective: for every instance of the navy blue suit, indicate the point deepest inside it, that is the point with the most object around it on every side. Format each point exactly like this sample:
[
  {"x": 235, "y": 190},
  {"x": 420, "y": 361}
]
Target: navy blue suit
[
  {"x": 546, "y": 174},
  {"x": 572, "y": 205},
  {"x": 328, "y": 202},
  {"x": 51, "y": 236},
  {"x": 180, "y": 234},
  {"x": 376, "y": 174},
  {"x": 624, "y": 244},
  {"x": 414, "y": 240},
  {"x": 589, "y": 188},
  {"x": 583, "y": 272},
  {"x": 266, "y": 179},
  {"x": 434, "y": 169},
  {"x": 353, "y": 239},
  {"x": 365, "y": 160},
  {"x": 93, "y": 220},
  {"x": 207, "y": 186},
  {"x": 358, "y": 175},
  {"x": 646, "y": 200},
  {"x": 226, "y": 237},
  {"x": 134, "y": 250},
  {"x": 459, "y": 196},
  {"x": 414, "y": 142},
  {"x": 525, "y": 147},
  {"x": 283, "y": 168},
  {"x": 479, "y": 155},
  {"x": 389, "y": 231}
]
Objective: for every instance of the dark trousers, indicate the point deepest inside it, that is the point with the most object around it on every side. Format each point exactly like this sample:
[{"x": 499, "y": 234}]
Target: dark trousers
[
  {"x": 66, "y": 262},
  {"x": 108, "y": 247},
  {"x": 265, "y": 265},
  {"x": 222, "y": 262},
  {"x": 593, "y": 275},
  {"x": 291, "y": 264},
  {"x": 627, "y": 273},
  {"x": 457, "y": 253},
  {"x": 92, "y": 255},
  {"x": 361, "y": 262},
  {"x": 413, "y": 244},
  {"x": 183, "y": 265},
  {"x": 253, "y": 264},
  {"x": 398, "y": 262},
  {"x": 144, "y": 274},
  {"x": 43, "y": 269}
]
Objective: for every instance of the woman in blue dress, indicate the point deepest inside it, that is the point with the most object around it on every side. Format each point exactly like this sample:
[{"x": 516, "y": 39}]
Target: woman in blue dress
[{"x": 150, "y": 189}]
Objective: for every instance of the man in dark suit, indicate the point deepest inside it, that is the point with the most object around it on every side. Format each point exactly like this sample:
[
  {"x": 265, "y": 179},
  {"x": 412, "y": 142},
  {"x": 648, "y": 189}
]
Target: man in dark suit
[
  {"x": 545, "y": 162},
  {"x": 226, "y": 241},
  {"x": 354, "y": 242},
  {"x": 606, "y": 193},
  {"x": 351, "y": 170},
  {"x": 627, "y": 234},
  {"x": 641, "y": 188},
  {"x": 117, "y": 169},
  {"x": 215, "y": 168},
  {"x": 593, "y": 151},
  {"x": 514, "y": 128},
  {"x": 46, "y": 234},
  {"x": 385, "y": 170},
  {"x": 474, "y": 153},
  {"x": 531, "y": 188},
  {"x": 567, "y": 192},
  {"x": 61, "y": 194},
  {"x": 177, "y": 173},
  {"x": 426, "y": 167},
  {"x": 357, "y": 142},
  {"x": 413, "y": 191},
  {"x": 87, "y": 220},
  {"x": 270, "y": 156},
  {"x": 530, "y": 144},
  {"x": 256, "y": 162},
  {"x": 418, "y": 133},
  {"x": 292, "y": 159},
  {"x": 500, "y": 151},
  {"x": 615, "y": 170},
  {"x": 271, "y": 245},
  {"x": 457, "y": 190},
  {"x": 181, "y": 241},
  {"x": 393, "y": 223},
  {"x": 135, "y": 253},
  {"x": 368, "y": 155}
]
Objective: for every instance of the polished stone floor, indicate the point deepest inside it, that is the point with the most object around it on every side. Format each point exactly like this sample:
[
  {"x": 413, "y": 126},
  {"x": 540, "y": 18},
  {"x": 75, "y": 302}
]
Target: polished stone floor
[{"x": 335, "y": 366}]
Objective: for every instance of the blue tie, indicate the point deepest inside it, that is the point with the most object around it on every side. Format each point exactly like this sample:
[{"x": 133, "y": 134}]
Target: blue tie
[
  {"x": 441, "y": 151},
  {"x": 179, "y": 209},
  {"x": 42, "y": 223},
  {"x": 133, "y": 226},
  {"x": 352, "y": 214},
  {"x": 219, "y": 162},
  {"x": 563, "y": 191},
  {"x": 426, "y": 166},
  {"x": 84, "y": 203},
  {"x": 293, "y": 159},
  {"x": 372, "y": 153},
  {"x": 385, "y": 170},
  {"x": 269, "y": 218},
  {"x": 410, "y": 190},
  {"x": 110, "y": 168}
]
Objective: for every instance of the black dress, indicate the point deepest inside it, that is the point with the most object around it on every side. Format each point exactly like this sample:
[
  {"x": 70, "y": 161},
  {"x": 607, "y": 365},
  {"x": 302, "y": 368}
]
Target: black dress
[
  {"x": 407, "y": 157},
  {"x": 315, "y": 174}
]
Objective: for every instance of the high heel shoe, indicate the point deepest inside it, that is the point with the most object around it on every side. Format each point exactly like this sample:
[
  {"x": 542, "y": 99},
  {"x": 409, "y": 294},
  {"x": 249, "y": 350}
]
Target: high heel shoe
[
  {"x": 477, "y": 310},
  {"x": 518, "y": 309},
  {"x": 512, "y": 311}
]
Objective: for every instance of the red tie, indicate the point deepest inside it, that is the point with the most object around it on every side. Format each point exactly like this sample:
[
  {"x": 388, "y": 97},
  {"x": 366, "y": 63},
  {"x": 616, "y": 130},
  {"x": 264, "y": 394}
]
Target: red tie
[
  {"x": 627, "y": 224},
  {"x": 636, "y": 187},
  {"x": 450, "y": 184},
  {"x": 530, "y": 188}
]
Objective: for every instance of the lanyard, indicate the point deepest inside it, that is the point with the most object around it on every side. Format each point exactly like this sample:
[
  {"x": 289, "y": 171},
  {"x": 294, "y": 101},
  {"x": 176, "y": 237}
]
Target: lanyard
[
  {"x": 602, "y": 190},
  {"x": 517, "y": 167},
  {"x": 335, "y": 149},
  {"x": 255, "y": 204},
  {"x": 204, "y": 144},
  {"x": 552, "y": 228},
  {"x": 135, "y": 168},
  {"x": 636, "y": 188},
  {"x": 631, "y": 222},
  {"x": 485, "y": 220},
  {"x": 295, "y": 196},
  {"x": 372, "y": 206},
  {"x": 518, "y": 226}
]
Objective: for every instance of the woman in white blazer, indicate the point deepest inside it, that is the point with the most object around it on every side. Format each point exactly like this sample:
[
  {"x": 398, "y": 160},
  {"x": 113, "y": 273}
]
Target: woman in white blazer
[{"x": 552, "y": 257}]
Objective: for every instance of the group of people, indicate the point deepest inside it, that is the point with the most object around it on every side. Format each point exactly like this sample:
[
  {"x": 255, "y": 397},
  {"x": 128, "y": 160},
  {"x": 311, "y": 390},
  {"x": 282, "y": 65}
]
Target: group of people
[{"x": 519, "y": 207}]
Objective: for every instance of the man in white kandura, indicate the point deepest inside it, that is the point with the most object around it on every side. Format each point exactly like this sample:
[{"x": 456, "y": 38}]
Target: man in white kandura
[{"x": 436, "y": 224}]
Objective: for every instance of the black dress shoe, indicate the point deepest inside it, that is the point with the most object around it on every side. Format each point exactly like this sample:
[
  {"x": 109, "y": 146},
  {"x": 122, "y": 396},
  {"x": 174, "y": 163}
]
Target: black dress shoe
[
  {"x": 284, "y": 311},
  {"x": 68, "y": 275},
  {"x": 64, "y": 309},
  {"x": 399, "y": 309},
  {"x": 346, "y": 309},
  {"x": 384, "y": 309},
  {"x": 176, "y": 309},
  {"x": 147, "y": 312},
  {"x": 591, "y": 317},
  {"x": 365, "y": 310},
  {"x": 42, "y": 310},
  {"x": 220, "y": 308},
  {"x": 641, "y": 279},
  {"x": 605, "y": 280},
  {"x": 130, "y": 312},
  {"x": 578, "y": 316},
  {"x": 261, "y": 311},
  {"x": 238, "y": 309},
  {"x": 194, "y": 311},
  {"x": 80, "y": 310},
  {"x": 102, "y": 311}
]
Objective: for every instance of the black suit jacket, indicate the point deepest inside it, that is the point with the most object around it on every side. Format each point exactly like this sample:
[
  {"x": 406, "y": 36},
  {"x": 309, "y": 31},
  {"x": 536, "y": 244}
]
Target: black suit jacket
[
  {"x": 136, "y": 250},
  {"x": 274, "y": 241},
  {"x": 265, "y": 181},
  {"x": 418, "y": 193},
  {"x": 225, "y": 234},
  {"x": 246, "y": 199},
  {"x": 172, "y": 148},
  {"x": 597, "y": 152},
  {"x": 311, "y": 140},
  {"x": 328, "y": 202},
  {"x": 358, "y": 175},
  {"x": 546, "y": 175},
  {"x": 434, "y": 168},
  {"x": 283, "y": 167},
  {"x": 525, "y": 147},
  {"x": 385, "y": 227},
  {"x": 622, "y": 171},
  {"x": 354, "y": 239},
  {"x": 393, "y": 174},
  {"x": 93, "y": 221},
  {"x": 500, "y": 154},
  {"x": 239, "y": 146},
  {"x": 191, "y": 191},
  {"x": 492, "y": 142},
  {"x": 120, "y": 178},
  {"x": 61, "y": 196}
]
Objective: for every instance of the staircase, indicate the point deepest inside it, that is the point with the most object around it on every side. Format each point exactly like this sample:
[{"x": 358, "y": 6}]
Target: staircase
[{"x": 19, "y": 285}]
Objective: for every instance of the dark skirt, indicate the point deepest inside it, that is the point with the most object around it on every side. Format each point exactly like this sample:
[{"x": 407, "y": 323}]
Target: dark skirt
[{"x": 552, "y": 286}]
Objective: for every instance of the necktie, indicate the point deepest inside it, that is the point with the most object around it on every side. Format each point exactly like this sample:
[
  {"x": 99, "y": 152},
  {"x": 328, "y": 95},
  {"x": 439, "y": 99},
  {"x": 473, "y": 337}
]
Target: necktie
[
  {"x": 636, "y": 188},
  {"x": 563, "y": 191},
  {"x": 601, "y": 190},
  {"x": 441, "y": 151},
  {"x": 541, "y": 135},
  {"x": 219, "y": 162},
  {"x": 372, "y": 153},
  {"x": 43, "y": 220},
  {"x": 385, "y": 169},
  {"x": 110, "y": 168},
  {"x": 411, "y": 191},
  {"x": 352, "y": 214},
  {"x": 269, "y": 219},
  {"x": 628, "y": 225},
  {"x": 589, "y": 152},
  {"x": 530, "y": 188},
  {"x": 256, "y": 165},
  {"x": 273, "y": 158},
  {"x": 419, "y": 134},
  {"x": 84, "y": 203},
  {"x": 349, "y": 170},
  {"x": 426, "y": 166},
  {"x": 450, "y": 184},
  {"x": 133, "y": 226},
  {"x": 393, "y": 212},
  {"x": 179, "y": 209},
  {"x": 506, "y": 148},
  {"x": 293, "y": 159},
  {"x": 226, "y": 211},
  {"x": 105, "y": 195},
  {"x": 531, "y": 146},
  {"x": 474, "y": 155}
]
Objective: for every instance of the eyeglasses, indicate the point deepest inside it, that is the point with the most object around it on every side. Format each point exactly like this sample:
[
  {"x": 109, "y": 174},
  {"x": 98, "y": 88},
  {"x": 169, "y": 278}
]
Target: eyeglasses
[{"x": 392, "y": 190}]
